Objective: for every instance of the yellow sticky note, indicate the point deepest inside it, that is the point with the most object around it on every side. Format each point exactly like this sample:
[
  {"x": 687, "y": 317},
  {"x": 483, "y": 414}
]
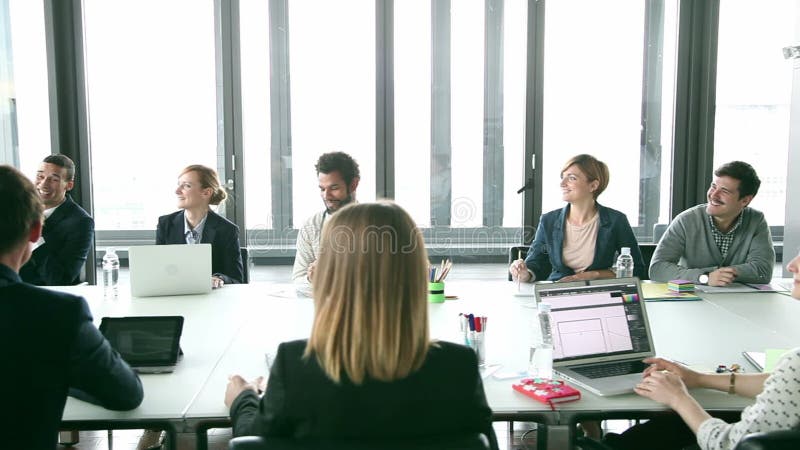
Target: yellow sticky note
[{"x": 773, "y": 355}]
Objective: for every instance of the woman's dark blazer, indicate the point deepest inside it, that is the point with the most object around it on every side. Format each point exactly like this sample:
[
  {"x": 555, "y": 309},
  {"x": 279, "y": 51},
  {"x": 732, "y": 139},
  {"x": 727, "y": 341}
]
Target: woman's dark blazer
[
  {"x": 221, "y": 233},
  {"x": 614, "y": 232},
  {"x": 444, "y": 397}
]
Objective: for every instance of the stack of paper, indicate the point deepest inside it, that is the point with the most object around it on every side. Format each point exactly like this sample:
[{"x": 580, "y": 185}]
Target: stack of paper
[
  {"x": 680, "y": 286},
  {"x": 659, "y": 292}
]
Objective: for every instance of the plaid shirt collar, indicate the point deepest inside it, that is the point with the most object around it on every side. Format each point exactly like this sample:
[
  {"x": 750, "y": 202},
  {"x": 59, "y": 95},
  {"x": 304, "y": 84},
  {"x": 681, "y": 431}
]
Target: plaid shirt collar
[{"x": 724, "y": 240}]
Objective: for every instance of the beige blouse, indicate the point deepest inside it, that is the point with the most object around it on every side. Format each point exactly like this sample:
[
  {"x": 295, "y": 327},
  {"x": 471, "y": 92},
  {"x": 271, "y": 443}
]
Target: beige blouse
[{"x": 579, "y": 244}]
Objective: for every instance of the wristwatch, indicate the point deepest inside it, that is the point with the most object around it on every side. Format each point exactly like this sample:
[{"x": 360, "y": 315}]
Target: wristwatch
[{"x": 703, "y": 278}]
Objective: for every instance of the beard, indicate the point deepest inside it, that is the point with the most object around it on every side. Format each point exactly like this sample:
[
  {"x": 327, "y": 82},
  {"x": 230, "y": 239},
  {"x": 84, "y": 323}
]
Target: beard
[{"x": 339, "y": 204}]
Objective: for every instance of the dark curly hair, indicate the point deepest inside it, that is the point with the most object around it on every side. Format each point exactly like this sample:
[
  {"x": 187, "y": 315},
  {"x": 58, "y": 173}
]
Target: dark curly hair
[{"x": 341, "y": 162}]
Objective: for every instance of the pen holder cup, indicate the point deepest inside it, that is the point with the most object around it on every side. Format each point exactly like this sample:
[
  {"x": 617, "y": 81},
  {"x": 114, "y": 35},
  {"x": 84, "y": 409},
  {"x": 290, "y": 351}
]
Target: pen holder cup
[
  {"x": 436, "y": 292},
  {"x": 476, "y": 343}
]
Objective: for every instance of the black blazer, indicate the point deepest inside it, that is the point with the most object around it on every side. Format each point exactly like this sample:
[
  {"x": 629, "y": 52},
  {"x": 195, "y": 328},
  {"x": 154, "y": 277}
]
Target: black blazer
[
  {"x": 444, "y": 397},
  {"x": 49, "y": 345},
  {"x": 68, "y": 234},
  {"x": 221, "y": 233}
]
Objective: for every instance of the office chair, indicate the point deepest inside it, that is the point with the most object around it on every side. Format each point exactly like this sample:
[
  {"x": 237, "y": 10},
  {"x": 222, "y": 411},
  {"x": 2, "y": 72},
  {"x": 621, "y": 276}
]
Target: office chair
[
  {"x": 658, "y": 231},
  {"x": 475, "y": 441},
  {"x": 647, "y": 255},
  {"x": 517, "y": 251},
  {"x": 771, "y": 440},
  {"x": 245, "y": 264}
]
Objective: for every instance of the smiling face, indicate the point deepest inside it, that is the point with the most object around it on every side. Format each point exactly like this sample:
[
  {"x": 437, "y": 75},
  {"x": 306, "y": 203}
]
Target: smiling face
[
  {"x": 575, "y": 185},
  {"x": 794, "y": 267},
  {"x": 52, "y": 184},
  {"x": 723, "y": 198},
  {"x": 334, "y": 190},
  {"x": 191, "y": 193}
]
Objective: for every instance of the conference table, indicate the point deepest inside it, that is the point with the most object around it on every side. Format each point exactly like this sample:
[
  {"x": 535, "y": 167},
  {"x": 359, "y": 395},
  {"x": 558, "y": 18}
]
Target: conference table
[{"x": 231, "y": 330}]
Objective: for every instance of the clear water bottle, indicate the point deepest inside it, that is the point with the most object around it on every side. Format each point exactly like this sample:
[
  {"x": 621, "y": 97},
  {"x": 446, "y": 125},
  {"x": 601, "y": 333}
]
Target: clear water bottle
[
  {"x": 625, "y": 263},
  {"x": 541, "y": 355},
  {"x": 110, "y": 273}
]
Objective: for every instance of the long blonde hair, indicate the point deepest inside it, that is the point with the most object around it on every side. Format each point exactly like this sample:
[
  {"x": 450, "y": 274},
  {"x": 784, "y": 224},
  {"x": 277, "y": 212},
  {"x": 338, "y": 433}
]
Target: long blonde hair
[{"x": 370, "y": 295}]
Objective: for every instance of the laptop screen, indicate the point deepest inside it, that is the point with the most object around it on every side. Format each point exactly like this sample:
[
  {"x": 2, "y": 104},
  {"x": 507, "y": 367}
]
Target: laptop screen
[
  {"x": 596, "y": 320},
  {"x": 144, "y": 341}
]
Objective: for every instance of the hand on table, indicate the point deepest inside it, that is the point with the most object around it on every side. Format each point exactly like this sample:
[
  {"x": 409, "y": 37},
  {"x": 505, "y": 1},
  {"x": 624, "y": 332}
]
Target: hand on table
[
  {"x": 689, "y": 377},
  {"x": 722, "y": 276},
  {"x": 237, "y": 385},
  {"x": 664, "y": 387},
  {"x": 217, "y": 282},
  {"x": 590, "y": 275}
]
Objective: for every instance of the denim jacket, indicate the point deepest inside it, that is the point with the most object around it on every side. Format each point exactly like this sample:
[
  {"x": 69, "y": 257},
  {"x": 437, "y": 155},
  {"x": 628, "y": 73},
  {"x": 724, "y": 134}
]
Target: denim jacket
[{"x": 544, "y": 257}]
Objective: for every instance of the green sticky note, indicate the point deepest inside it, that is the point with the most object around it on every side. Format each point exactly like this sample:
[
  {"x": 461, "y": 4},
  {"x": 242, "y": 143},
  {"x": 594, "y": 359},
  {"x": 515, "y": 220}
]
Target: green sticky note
[{"x": 773, "y": 355}]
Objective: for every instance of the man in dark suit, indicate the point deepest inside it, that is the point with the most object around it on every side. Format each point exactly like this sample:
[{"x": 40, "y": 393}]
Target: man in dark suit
[
  {"x": 48, "y": 341},
  {"x": 68, "y": 230}
]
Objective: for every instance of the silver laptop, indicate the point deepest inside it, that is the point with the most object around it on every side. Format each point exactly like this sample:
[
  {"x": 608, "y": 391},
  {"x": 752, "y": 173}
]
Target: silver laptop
[
  {"x": 170, "y": 269},
  {"x": 600, "y": 333}
]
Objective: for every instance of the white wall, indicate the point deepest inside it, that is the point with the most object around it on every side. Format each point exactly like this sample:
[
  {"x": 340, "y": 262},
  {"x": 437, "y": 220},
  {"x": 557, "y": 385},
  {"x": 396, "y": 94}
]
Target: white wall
[{"x": 791, "y": 231}]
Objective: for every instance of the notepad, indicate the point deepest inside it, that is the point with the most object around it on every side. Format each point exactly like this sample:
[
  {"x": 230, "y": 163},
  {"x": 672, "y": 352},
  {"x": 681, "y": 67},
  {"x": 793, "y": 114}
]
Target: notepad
[
  {"x": 767, "y": 360},
  {"x": 547, "y": 391},
  {"x": 680, "y": 286},
  {"x": 658, "y": 292}
]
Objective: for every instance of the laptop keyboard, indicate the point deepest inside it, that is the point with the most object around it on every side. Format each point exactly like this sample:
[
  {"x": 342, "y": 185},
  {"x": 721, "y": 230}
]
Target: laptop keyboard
[{"x": 610, "y": 369}]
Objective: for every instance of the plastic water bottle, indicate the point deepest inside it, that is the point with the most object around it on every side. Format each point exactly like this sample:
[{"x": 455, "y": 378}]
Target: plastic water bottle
[
  {"x": 541, "y": 355},
  {"x": 110, "y": 273},
  {"x": 625, "y": 263}
]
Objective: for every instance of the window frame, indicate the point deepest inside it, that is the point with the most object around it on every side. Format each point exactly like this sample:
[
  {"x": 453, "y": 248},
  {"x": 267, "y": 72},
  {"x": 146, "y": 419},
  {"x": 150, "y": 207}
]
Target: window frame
[{"x": 692, "y": 127}]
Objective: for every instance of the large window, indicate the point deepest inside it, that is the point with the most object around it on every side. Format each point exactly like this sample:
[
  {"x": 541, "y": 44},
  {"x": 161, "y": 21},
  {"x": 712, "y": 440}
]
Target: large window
[
  {"x": 595, "y": 96},
  {"x": 256, "y": 116},
  {"x": 24, "y": 105},
  {"x": 152, "y": 104},
  {"x": 332, "y": 72},
  {"x": 754, "y": 88},
  {"x": 412, "y": 114},
  {"x": 459, "y": 111},
  {"x": 446, "y": 127}
]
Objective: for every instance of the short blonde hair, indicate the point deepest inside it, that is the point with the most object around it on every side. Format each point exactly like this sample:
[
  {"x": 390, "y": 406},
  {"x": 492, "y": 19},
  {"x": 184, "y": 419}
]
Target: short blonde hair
[
  {"x": 370, "y": 295},
  {"x": 594, "y": 170},
  {"x": 208, "y": 179}
]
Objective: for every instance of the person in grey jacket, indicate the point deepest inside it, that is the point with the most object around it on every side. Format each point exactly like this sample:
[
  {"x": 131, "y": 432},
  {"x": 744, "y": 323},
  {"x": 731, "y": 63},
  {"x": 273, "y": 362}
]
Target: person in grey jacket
[{"x": 722, "y": 241}]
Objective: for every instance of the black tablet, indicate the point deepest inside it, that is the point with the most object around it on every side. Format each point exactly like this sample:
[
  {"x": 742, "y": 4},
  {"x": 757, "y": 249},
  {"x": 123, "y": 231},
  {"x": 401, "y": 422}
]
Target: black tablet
[{"x": 148, "y": 341}]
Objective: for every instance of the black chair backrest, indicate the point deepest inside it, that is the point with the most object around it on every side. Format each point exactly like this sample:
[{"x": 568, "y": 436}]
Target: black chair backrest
[
  {"x": 475, "y": 441},
  {"x": 245, "y": 264},
  {"x": 647, "y": 255},
  {"x": 771, "y": 440},
  {"x": 516, "y": 252},
  {"x": 658, "y": 231}
]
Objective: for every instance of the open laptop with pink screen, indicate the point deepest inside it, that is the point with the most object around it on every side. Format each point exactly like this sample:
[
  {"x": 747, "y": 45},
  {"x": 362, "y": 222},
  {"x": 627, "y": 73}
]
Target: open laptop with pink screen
[{"x": 600, "y": 333}]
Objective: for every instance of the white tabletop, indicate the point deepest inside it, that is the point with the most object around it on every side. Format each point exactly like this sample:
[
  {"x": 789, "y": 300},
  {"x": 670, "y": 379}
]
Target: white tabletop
[
  {"x": 211, "y": 322},
  {"x": 229, "y": 331}
]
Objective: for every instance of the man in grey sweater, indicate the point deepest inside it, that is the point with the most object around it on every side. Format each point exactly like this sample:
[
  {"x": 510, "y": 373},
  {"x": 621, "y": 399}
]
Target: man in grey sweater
[{"x": 721, "y": 241}]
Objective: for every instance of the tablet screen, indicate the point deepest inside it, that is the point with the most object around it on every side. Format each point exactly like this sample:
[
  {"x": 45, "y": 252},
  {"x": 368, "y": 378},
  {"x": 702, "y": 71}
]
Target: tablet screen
[{"x": 144, "y": 341}]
